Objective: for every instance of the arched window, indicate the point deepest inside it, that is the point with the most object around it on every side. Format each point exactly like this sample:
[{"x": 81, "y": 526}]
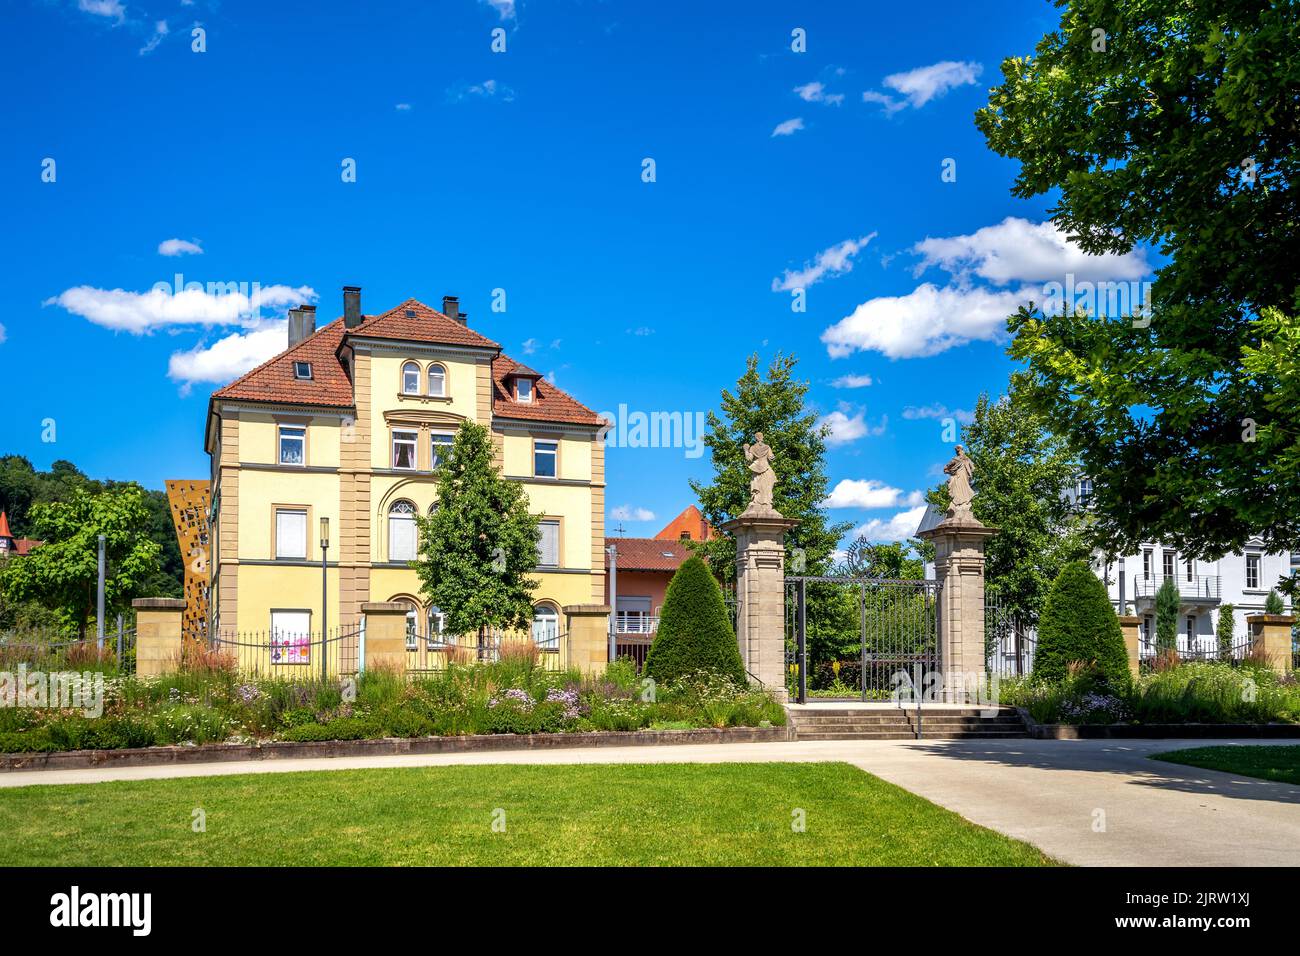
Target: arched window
[
  {"x": 410, "y": 379},
  {"x": 546, "y": 627},
  {"x": 437, "y": 623},
  {"x": 401, "y": 532},
  {"x": 437, "y": 381}
]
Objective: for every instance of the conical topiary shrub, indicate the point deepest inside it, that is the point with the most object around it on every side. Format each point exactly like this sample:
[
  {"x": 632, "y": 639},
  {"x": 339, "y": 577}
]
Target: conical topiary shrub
[
  {"x": 695, "y": 632},
  {"x": 1078, "y": 624}
]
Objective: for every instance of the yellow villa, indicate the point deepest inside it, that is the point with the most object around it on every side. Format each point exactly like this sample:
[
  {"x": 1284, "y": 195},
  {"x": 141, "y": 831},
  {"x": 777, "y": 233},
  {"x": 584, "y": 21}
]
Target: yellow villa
[{"x": 348, "y": 424}]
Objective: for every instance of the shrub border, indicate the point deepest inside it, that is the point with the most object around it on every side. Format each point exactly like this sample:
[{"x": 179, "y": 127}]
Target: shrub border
[
  {"x": 1187, "y": 731},
  {"x": 385, "y": 746}
]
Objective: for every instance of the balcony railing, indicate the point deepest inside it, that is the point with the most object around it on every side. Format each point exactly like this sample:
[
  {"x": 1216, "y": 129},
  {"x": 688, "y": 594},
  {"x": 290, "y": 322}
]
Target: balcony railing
[
  {"x": 634, "y": 622},
  {"x": 1197, "y": 587}
]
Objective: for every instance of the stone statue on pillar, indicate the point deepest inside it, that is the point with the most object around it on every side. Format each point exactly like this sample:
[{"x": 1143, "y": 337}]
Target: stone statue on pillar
[
  {"x": 960, "y": 493},
  {"x": 762, "y": 482}
]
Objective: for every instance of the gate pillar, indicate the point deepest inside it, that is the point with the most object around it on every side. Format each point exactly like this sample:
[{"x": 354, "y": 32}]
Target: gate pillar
[
  {"x": 760, "y": 596},
  {"x": 959, "y": 570}
]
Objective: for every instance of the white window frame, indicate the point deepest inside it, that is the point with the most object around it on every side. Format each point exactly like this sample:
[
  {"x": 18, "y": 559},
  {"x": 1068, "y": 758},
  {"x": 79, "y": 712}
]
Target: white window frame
[
  {"x": 1168, "y": 564},
  {"x": 410, "y": 368},
  {"x": 413, "y": 441},
  {"x": 1254, "y": 563},
  {"x": 541, "y": 541},
  {"x": 524, "y": 389},
  {"x": 298, "y": 367},
  {"x": 434, "y": 444},
  {"x": 441, "y": 374},
  {"x": 290, "y": 642},
  {"x": 1148, "y": 564},
  {"x": 546, "y": 626},
  {"x": 553, "y": 451},
  {"x": 281, "y": 537},
  {"x": 301, "y": 438},
  {"x": 405, "y": 513}
]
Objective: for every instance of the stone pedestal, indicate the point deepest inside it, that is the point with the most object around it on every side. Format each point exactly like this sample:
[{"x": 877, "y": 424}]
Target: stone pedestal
[
  {"x": 1270, "y": 635},
  {"x": 1131, "y": 627},
  {"x": 157, "y": 635},
  {"x": 959, "y": 570},
  {"x": 760, "y": 596},
  {"x": 385, "y": 636},
  {"x": 587, "y": 636}
]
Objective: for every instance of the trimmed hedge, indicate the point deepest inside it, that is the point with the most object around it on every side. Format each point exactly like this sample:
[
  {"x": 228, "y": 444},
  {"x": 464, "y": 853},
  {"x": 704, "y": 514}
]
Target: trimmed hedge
[
  {"x": 1078, "y": 624},
  {"x": 695, "y": 632}
]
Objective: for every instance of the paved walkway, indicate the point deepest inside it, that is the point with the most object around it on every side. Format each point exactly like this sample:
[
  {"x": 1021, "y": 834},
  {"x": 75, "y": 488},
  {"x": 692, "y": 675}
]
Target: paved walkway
[{"x": 1087, "y": 802}]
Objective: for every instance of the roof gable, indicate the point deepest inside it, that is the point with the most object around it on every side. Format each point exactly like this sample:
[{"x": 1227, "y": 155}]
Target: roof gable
[{"x": 549, "y": 404}]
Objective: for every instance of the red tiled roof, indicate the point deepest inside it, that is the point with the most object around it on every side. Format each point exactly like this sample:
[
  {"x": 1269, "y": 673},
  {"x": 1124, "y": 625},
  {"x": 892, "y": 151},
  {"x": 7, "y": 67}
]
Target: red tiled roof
[
  {"x": 549, "y": 403},
  {"x": 25, "y": 545},
  {"x": 4, "y": 526},
  {"x": 426, "y": 325},
  {"x": 648, "y": 554},
  {"x": 274, "y": 381}
]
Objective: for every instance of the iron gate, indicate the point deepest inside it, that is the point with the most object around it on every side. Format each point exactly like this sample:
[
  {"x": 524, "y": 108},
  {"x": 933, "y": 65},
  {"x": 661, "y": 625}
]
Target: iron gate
[{"x": 877, "y": 637}]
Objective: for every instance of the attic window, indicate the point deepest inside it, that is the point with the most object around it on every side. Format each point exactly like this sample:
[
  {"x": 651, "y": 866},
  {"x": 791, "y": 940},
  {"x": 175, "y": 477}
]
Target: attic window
[
  {"x": 410, "y": 313},
  {"x": 302, "y": 370},
  {"x": 667, "y": 554},
  {"x": 523, "y": 389}
]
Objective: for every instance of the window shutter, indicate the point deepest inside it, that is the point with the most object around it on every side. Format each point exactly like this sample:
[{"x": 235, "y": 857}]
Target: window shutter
[
  {"x": 291, "y": 534},
  {"x": 401, "y": 538}
]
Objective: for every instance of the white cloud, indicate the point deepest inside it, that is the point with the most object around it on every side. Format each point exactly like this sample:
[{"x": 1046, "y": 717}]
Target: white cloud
[
  {"x": 1016, "y": 250},
  {"x": 629, "y": 513},
  {"x": 788, "y": 128},
  {"x": 642, "y": 331},
  {"x": 926, "y": 321},
  {"x": 852, "y": 381},
  {"x": 530, "y": 346},
  {"x": 887, "y": 102},
  {"x": 103, "y": 8},
  {"x": 846, "y": 426},
  {"x": 159, "y": 31},
  {"x": 504, "y": 8},
  {"x": 228, "y": 357},
  {"x": 925, "y": 83},
  {"x": 815, "y": 92},
  {"x": 180, "y": 247},
  {"x": 487, "y": 90},
  {"x": 936, "y": 410},
  {"x": 901, "y": 526},
  {"x": 140, "y": 312},
  {"x": 869, "y": 493},
  {"x": 402, "y": 107},
  {"x": 2, "y": 335},
  {"x": 836, "y": 260}
]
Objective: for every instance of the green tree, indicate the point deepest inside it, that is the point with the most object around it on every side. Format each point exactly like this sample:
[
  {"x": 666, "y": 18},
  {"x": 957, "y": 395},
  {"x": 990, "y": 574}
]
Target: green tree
[
  {"x": 1023, "y": 475},
  {"x": 62, "y": 573},
  {"x": 774, "y": 406},
  {"x": 1167, "y": 601},
  {"x": 479, "y": 545},
  {"x": 1180, "y": 130},
  {"x": 695, "y": 632},
  {"x": 1273, "y": 604},
  {"x": 1079, "y": 625},
  {"x": 1224, "y": 631}
]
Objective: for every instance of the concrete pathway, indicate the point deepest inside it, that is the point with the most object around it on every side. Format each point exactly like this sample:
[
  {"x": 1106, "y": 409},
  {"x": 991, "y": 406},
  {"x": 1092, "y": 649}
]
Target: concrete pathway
[{"x": 1087, "y": 802}]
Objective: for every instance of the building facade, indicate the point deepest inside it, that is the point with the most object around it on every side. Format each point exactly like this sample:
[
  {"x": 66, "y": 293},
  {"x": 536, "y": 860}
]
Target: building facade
[{"x": 348, "y": 425}]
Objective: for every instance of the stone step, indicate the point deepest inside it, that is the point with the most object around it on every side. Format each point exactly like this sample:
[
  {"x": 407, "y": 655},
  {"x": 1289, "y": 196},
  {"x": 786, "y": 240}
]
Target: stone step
[
  {"x": 927, "y": 734},
  {"x": 947, "y": 724},
  {"x": 892, "y": 718}
]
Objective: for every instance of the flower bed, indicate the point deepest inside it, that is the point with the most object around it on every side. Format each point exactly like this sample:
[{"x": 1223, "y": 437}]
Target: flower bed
[
  {"x": 1187, "y": 693},
  {"x": 214, "y": 705}
]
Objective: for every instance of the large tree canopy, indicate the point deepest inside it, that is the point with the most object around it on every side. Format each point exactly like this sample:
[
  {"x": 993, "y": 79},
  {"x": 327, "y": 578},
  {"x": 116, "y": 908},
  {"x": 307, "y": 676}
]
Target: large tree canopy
[{"x": 1177, "y": 126}]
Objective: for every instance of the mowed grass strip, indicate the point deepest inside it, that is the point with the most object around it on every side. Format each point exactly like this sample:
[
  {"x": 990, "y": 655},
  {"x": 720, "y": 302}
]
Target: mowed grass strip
[
  {"x": 601, "y": 815},
  {"x": 1281, "y": 764}
]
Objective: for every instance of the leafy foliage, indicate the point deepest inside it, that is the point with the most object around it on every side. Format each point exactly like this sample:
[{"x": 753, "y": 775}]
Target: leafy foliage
[
  {"x": 479, "y": 545},
  {"x": 63, "y": 572},
  {"x": 695, "y": 633},
  {"x": 1078, "y": 625},
  {"x": 1183, "y": 133},
  {"x": 1167, "y": 616},
  {"x": 1224, "y": 631}
]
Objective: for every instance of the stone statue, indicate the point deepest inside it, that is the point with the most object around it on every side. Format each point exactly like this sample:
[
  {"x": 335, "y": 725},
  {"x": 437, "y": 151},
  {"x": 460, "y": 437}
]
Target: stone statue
[
  {"x": 763, "y": 480},
  {"x": 960, "y": 495}
]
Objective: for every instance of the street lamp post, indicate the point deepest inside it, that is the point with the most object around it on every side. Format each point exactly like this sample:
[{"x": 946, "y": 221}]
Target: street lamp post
[{"x": 324, "y": 598}]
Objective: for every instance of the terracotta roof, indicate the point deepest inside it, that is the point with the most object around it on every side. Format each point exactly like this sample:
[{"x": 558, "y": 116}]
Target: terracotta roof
[
  {"x": 426, "y": 325},
  {"x": 25, "y": 545},
  {"x": 274, "y": 381},
  {"x": 689, "y": 520},
  {"x": 549, "y": 403},
  {"x": 648, "y": 554},
  {"x": 4, "y": 526}
]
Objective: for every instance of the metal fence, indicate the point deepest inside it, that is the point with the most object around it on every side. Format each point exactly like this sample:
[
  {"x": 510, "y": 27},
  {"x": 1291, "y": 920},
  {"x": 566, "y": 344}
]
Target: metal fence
[
  {"x": 1148, "y": 653},
  {"x": 426, "y": 652},
  {"x": 51, "y": 650},
  {"x": 303, "y": 656},
  {"x": 633, "y": 647},
  {"x": 1009, "y": 645}
]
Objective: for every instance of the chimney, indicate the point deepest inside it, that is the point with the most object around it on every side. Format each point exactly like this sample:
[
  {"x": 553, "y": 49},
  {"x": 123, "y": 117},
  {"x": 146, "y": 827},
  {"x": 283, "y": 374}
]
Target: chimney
[
  {"x": 302, "y": 323},
  {"x": 451, "y": 309},
  {"x": 352, "y": 306}
]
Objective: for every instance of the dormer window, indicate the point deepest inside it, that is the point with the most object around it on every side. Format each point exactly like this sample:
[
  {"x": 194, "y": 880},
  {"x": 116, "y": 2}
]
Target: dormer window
[
  {"x": 523, "y": 389},
  {"x": 410, "y": 379},
  {"x": 302, "y": 370}
]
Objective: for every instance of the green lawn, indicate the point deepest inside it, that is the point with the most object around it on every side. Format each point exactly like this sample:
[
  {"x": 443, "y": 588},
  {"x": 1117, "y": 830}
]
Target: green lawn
[
  {"x": 628, "y": 814},
  {"x": 1268, "y": 763}
]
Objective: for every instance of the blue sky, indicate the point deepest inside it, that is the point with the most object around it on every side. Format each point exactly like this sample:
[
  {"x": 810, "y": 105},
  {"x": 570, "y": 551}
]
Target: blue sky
[{"x": 521, "y": 170}]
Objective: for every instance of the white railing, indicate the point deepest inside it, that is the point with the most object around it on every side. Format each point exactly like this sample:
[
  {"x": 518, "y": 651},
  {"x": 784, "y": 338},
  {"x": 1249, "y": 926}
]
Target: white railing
[{"x": 634, "y": 622}]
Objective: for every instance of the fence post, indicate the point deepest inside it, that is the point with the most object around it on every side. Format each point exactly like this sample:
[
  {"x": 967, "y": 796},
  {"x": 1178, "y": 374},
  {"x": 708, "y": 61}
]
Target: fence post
[
  {"x": 385, "y": 646},
  {"x": 803, "y": 642},
  {"x": 119, "y": 640},
  {"x": 588, "y": 629},
  {"x": 1270, "y": 634},
  {"x": 157, "y": 635},
  {"x": 1129, "y": 625},
  {"x": 760, "y": 595}
]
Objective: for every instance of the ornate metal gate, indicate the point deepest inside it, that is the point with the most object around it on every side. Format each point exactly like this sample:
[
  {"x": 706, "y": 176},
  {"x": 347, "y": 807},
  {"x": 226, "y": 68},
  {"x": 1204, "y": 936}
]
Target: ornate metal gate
[{"x": 871, "y": 638}]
